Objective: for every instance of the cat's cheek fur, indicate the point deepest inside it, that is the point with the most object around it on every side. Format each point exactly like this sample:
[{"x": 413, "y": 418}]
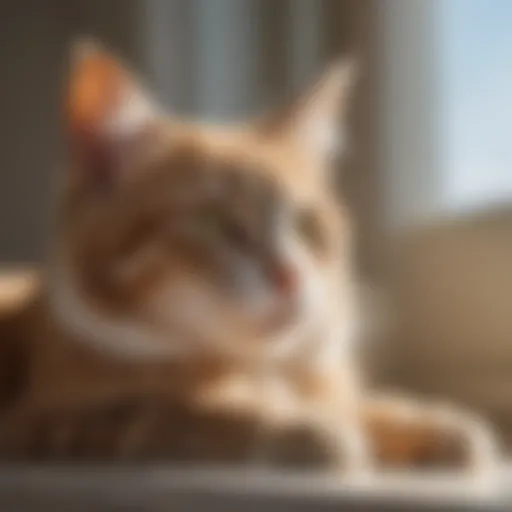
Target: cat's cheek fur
[
  {"x": 125, "y": 338},
  {"x": 313, "y": 295},
  {"x": 194, "y": 309}
]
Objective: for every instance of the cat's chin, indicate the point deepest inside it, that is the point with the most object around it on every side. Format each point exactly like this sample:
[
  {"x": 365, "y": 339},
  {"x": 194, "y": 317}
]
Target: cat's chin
[
  {"x": 279, "y": 319},
  {"x": 286, "y": 338},
  {"x": 275, "y": 340}
]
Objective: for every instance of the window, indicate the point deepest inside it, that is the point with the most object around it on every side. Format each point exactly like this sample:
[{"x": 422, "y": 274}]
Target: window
[
  {"x": 447, "y": 96},
  {"x": 477, "y": 45}
]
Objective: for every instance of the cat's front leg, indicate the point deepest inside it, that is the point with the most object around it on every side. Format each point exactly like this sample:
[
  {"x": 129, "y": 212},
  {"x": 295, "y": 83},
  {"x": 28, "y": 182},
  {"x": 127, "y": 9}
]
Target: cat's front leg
[
  {"x": 130, "y": 429},
  {"x": 313, "y": 443},
  {"x": 317, "y": 424},
  {"x": 408, "y": 433},
  {"x": 152, "y": 428},
  {"x": 299, "y": 430}
]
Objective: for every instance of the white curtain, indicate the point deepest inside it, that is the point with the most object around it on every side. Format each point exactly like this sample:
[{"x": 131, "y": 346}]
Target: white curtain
[
  {"x": 212, "y": 57},
  {"x": 411, "y": 136}
]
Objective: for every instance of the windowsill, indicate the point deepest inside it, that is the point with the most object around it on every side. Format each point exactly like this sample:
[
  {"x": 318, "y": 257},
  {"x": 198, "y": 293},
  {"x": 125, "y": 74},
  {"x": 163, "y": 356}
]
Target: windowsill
[{"x": 156, "y": 487}]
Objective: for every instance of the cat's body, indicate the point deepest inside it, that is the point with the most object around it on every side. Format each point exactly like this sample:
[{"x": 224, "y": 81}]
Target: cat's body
[
  {"x": 199, "y": 303},
  {"x": 64, "y": 399}
]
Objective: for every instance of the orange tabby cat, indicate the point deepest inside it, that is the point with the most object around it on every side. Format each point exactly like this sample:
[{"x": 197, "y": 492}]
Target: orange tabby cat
[{"x": 199, "y": 303}]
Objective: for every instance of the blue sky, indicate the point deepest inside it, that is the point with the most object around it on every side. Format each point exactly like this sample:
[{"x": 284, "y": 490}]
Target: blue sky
[{"x": 477, "y": 53}]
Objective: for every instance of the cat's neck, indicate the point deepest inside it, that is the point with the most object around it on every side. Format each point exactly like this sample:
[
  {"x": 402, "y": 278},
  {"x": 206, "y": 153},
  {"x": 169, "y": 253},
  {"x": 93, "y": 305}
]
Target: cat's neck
[
  {"x": 131, "y": 340},
  {"x": 124, "y": 338}
]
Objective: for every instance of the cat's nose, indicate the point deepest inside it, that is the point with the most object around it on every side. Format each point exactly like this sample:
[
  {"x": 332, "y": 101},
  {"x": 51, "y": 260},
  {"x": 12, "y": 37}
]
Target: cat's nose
[{"x": 285, "y": 278}]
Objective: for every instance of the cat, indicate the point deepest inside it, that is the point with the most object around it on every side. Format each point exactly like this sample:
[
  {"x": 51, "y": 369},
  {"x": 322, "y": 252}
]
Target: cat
[{"x": 200, "y": 303}]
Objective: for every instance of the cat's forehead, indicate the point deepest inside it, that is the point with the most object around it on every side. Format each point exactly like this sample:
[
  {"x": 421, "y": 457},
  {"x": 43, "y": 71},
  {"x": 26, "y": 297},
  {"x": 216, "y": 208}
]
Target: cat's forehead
[{"x": 236, "y": 158}]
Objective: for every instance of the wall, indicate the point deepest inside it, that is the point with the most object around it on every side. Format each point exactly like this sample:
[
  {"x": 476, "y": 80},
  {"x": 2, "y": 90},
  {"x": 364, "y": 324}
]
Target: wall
[{"x": 33, "y": 56}]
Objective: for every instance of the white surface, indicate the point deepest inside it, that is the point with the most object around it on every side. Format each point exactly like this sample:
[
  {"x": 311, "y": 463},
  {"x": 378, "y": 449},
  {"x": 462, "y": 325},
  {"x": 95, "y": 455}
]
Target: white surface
[{"x": 441, "y": 488}]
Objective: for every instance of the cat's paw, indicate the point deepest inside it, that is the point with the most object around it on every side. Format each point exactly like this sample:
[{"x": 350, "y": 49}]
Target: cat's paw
[
  {"x": 313, "y": 444},
  {"x": 410, "y": 434},
  {"x": 458, "y": 439}
]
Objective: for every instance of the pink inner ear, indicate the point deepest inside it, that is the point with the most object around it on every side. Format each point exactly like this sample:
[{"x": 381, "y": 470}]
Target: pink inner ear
[
  {"x": 105, "y": 158},
  {"x": 107, "y": 152},
  {"x": 108, "y": 117},
  {"x": 95, "y": 159}
]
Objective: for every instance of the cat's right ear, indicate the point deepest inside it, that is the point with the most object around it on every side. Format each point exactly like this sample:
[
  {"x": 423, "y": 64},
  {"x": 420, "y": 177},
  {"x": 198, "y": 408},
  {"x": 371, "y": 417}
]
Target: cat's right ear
[
  {"x": 316, "y": 122},
  {"x": 112, "y": 125}
]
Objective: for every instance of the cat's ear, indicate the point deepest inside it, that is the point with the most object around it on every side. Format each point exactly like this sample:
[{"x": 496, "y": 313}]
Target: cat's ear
[
  {"x": 315, "y": 123},
  {"x": 110, "y": 121}
]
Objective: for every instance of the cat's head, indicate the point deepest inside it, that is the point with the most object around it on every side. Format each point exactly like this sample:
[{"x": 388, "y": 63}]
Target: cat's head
[{"x": 174, "y": 235}]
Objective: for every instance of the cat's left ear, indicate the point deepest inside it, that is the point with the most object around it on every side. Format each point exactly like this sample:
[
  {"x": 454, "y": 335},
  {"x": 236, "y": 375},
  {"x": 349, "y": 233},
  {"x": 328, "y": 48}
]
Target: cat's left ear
[
  {"x": 316, "y": 123},
  {"x": 110, "y": 121}
]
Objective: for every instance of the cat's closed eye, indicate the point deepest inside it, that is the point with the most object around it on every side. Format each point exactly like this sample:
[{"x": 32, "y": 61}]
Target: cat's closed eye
[
  {"x": 309, "y": 227},
  {"x": 203, "y": 224}
]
